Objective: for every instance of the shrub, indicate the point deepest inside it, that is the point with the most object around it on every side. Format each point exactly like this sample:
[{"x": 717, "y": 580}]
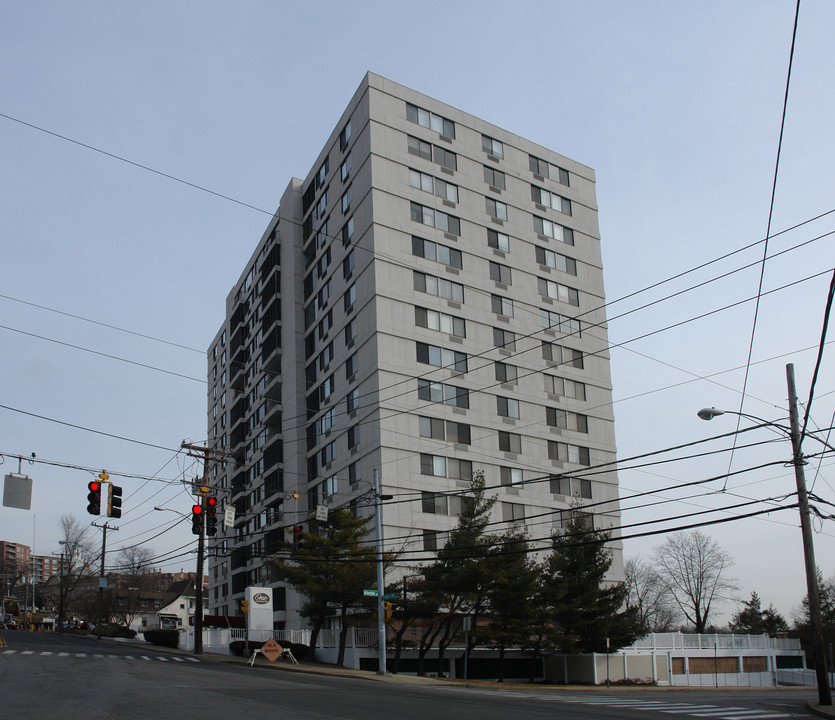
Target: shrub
[
  {"x": 164, "y": 638},
  {"x": 117, "y": 631}
]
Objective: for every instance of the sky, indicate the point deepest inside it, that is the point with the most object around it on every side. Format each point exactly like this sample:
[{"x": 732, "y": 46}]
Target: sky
[{"x": 677, "y": 106}]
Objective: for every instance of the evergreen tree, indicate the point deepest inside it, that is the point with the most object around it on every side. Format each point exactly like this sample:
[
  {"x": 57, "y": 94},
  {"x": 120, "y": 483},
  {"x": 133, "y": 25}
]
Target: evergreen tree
[
  {"x": 585, "y": 607},
  {"x": 510, "y": 595},
  {"x": 803, "y": 624},
  {"x": 331, "y": 569},
  {"x": 753, "y": 620},
  {"x": 458, "y": 579}
]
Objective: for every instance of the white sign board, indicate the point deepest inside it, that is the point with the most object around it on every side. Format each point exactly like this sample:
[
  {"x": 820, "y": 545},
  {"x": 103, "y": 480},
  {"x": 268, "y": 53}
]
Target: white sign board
[
  {"x": 322, "y": 513},
  {"x": 260, "y": 614},
  {"x": 229, "y": 516}
]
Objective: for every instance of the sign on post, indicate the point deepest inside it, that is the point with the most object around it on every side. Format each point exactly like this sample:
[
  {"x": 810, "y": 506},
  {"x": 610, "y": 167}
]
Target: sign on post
[{"x": 370, "y": 593}]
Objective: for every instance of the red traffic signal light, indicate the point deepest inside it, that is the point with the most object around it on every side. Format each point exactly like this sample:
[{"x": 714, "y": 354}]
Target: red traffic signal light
[
  {"x": 298, "y": 530},
  {"x": 196, "y": 519},
  {"x": 94, "y": 497},
  {"x": 211, "y": 515}
]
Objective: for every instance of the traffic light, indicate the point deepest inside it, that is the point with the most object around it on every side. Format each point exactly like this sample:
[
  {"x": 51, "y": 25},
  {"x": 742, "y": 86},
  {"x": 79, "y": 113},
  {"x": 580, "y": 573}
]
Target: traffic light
[
  {"x": 114, "y": 501},
  {"x": 298, "y": 541},
  {"x": 244, "y": 606},
  {"x": 196, "y": 517},
  {"x": 388, "y": 609},
  {"x": 211, "y": 515},
  {"x": 94, "y": 497}
]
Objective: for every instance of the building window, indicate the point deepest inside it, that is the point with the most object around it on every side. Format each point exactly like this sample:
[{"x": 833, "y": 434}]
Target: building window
[
  {"x": 419, "y": 147},
  {"x": 458, "y": 433},
  {"x": 441, "y": 357},
  {"x": 353, "y": 473},
  {"x": 434, "y": 320},
  {"x": 496, "y": 209},
  {"x": 327, "y": 454},
  {"x": 558, "y": 291},
  {"x": 352, "y": 401},
  {"x": 501, "y": 305},
  {"x": 564, "y": 452},
  {"x": 564, "y": 387},
  {"x": 552, "y": 230},
  {"x": 350, "y": 332},
  {"x": 505, "y": 373},
  {"x": 351, "y": 366},
  {"x": 353, "y": 436},
  {"x": 562, "y": 355},
  {"x": 551, "y": 200},
  {"x": 507, "y": 407},
  {"x": 434, "y": 539},
  {"x": 566, "y": 420},
  {"x": 439, "y": 253},
  {"x": 547, "y": 170},
  {"x": 510, "y": 442},
  {"x": 441, "y": 393},
  {"x": 348, "y": 231},
  {"x": 494, "y": 178},
  {"x": 323, "y": 173},
  {"x": 435, "y": 218},
  {"x": 345, "y": 168},
  {"x": 349, "y": 298},
  {"x": 560, "y": 485},
  {"x": 511, "y": 476},
  {"x": 434, "y": 465},
  {"x": 504, "y": 339},
  {"x": 498, "y": 241},
  {"x": 492, "y": 147},
  {"x": 427, "y": 119},
  {"x": 348, "y": 264},
  {"x": 431, "y": 428},
  {"x": 439, "y": 287},
  {"x": 513, "y": 512},
  {"x": 433, "y": 185},
  {"x": 445, "y": 158},
  {"x": 326, "y": 422},
  {"x": 347, "y": 196},
  {"x": 550, "y": 259},
  {"x": 500, "y": 273},
  {"x": 345, "y": 136},
  {"x": 561, "y": 519},
  {"x": 561, "y": 323}
]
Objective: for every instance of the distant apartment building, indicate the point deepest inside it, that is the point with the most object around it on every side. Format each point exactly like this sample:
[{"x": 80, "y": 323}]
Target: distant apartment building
[
  {"x": 426, "y": 303},
  {"x": 18, "y": 564}
]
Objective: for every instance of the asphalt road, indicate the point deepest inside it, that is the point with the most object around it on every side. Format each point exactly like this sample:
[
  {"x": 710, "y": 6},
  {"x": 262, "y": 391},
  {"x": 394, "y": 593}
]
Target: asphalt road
[{"x": 46, "y": 676}]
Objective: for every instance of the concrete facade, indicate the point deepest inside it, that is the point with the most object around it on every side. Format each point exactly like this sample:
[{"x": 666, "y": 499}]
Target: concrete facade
[{"x": 428, "y": 303}]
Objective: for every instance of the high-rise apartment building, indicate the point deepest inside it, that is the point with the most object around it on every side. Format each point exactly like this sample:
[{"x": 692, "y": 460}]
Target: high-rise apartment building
[{"x": 427, "y": 303}]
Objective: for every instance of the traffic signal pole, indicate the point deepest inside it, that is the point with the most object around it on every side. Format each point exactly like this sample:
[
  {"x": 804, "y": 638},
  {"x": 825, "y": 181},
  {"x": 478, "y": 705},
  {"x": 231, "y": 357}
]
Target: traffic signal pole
[{"x": 381, "y": 584}]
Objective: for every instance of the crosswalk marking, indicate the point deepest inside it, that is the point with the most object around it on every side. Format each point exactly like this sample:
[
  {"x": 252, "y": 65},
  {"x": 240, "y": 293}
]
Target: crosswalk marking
[
  {"x": 710, "y": 712},
  {"x": 47, "y": 653}
]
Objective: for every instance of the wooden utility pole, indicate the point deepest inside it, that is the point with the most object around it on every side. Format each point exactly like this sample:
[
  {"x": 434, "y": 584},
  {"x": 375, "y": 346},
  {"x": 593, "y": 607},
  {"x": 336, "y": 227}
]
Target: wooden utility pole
[
  {"x": 824, "y": 691},
  {"x": 205, "y": 454}
]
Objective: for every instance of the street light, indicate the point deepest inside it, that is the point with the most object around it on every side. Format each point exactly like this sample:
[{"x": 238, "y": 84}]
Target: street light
[{"x": 793, "y": 433}]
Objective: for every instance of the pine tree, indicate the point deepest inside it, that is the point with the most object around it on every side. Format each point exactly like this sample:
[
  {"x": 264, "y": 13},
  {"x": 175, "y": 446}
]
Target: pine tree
[
  {"x": 753, "y": 620},
  {"x": 510, "y": 595},
  {"x": 585, "y": 607},
  {"x": 331, "y": 569}
]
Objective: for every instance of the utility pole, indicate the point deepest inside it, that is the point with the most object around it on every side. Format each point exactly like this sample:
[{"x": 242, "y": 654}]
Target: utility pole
[
  {"x": 102, "y": 578},
  {"x": 824, "y": 691},
  {"x": 203, "y": 490},
  {"x": 381, "y": 583}
]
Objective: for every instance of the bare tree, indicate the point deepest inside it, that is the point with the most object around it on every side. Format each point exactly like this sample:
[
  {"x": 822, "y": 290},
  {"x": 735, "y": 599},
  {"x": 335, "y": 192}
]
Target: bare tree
[
  {"x": 133, "y": 583},
  {"x": 77, "y": 552},
  {"x": 693, "y": 569},
  {"x": 651, "y": 598}
]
